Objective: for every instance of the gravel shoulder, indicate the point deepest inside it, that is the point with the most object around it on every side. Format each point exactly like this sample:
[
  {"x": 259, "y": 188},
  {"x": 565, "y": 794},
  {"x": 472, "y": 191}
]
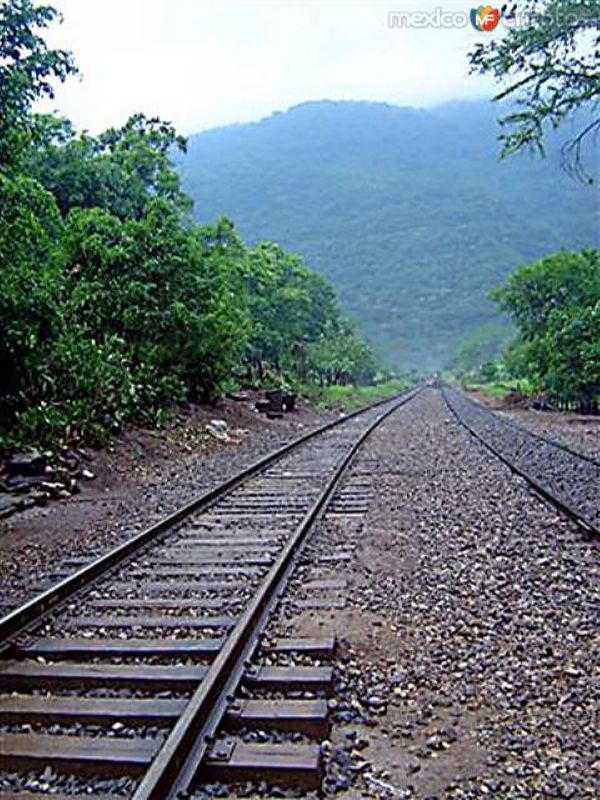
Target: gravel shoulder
[
  {"x": 146, "y": 475},
  {"x": 572, "y": 478},
  {"x": 466, "y": 659}
]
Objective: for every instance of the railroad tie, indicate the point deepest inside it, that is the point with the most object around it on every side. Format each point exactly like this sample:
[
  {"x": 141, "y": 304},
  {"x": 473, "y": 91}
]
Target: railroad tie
[
  {"x": 86, "y": 755},
  {"x": 289, "y": 764},
  {"x": 31, "y": 674},
  {"x": 306, "y": 716},
  {"x": 281, "y": 679},
  {"x": 73, "y": 648}
]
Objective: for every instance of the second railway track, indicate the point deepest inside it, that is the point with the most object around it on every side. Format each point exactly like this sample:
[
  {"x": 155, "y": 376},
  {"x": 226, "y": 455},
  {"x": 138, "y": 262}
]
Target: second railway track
[
  {"x": 123, "y": 673},
  {"x": 565, "y": 478}
]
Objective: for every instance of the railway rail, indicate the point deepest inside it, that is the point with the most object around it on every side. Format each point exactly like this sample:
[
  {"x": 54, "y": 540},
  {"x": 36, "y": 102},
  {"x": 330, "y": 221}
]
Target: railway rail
[
  {"x": 123, "y": 673},
  {"x": 567, "y": 479}
]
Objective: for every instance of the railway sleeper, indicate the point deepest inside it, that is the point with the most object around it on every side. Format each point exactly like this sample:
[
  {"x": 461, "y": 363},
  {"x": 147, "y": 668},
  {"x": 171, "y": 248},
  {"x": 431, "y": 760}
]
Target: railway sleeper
[
  {"x": 33, "y": 675},
  {"x": 288, "y": 764},
  {"x": 144, "y": 572},
  {"x": 268, "y": 540},
  {"x": 317, "y": 648},
  {"x": 282, "y": 679},
  {"x": 333, "y": 557},
  {"x": 189, "y": 557},
  {"x": 293, "y": 716},
  {"x": 325, "y": 584},
  {"x": 315, "y": 603},
  {"x": 150, "y": 621},
  {"x": 77, "y": 648},
  {"x": 164, "y": 602},
  {"x": 151, "y": 586},
  {"x": 230, "y": 550},
  {"x": 16, "y": 709},
  {"x": 104, "y": 756},
  {"x": 304, "y": 716}
]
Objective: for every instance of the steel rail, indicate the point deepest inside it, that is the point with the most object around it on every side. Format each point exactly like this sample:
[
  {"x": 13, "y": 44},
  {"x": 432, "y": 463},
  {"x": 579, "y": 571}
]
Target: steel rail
[
  {"x": 38, "y": 608},
  {"x": 560, "y": 504},
  {"x": 178, "y": 763}
]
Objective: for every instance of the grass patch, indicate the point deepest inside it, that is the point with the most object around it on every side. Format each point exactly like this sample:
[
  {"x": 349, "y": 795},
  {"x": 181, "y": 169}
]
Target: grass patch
[
  {"x": 498, "y": 389},
  {"x": 350, "y": 397}
]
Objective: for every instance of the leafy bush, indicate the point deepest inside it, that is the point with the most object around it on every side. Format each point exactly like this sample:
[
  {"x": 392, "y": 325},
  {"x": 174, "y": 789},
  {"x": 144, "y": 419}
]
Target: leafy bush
[{"x": 556, "y": 306}]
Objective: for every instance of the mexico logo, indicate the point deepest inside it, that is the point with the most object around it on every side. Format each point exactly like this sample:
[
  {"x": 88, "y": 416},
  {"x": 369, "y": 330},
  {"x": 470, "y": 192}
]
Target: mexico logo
[{"x": 485, "y": 18}]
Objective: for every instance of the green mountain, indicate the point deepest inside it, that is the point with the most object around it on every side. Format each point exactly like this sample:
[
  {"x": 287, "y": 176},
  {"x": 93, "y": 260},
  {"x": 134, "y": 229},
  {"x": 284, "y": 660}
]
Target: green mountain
[{"x": 409, "y": 212}]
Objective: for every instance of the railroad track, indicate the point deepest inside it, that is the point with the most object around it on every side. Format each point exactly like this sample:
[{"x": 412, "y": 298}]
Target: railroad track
[
  {"x": 567, "y": 479},
  {"x": 118, "y": 680}
]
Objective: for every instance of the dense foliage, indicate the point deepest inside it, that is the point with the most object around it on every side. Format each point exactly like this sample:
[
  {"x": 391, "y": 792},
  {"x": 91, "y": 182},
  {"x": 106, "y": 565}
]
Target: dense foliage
[
  {"x": 408, "y": 212},
  {"x": 555, "y": 304},
  {"x": 113, "y": 303},
  {"x": 548, "y": 62}
]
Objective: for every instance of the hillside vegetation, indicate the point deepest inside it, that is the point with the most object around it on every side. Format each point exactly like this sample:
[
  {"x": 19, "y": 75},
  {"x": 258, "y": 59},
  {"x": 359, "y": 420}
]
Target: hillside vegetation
[{"x": 409, "y": 212}]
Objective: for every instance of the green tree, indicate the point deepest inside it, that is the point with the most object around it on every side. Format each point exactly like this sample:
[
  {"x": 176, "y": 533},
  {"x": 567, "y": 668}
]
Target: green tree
[
  {"x": 342, "y": 356},
  {"x": 113, "y": 303},
  {"x": 31, "y": 291},
  {"x": 120, "y": 171},
  {"x": 548, "y": 64},
  {"x": 534, "y": 292},
  {"x": 573, "y": 355},
  {"x": 27, "y": 69},
  {"x": 289, "y": 306},
  {"x": 555, "y": 304},
  {"x": 163, "y": 289}
]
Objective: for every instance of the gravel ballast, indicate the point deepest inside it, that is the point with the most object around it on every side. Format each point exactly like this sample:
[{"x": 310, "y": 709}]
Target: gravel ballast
[
  {"x": 466, "y": 661},
  {"x": 581, "y": 433}
]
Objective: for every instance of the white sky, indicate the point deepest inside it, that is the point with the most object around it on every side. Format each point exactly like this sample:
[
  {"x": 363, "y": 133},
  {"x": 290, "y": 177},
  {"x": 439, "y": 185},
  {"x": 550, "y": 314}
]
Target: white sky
[{"x": 202, "y": 63}]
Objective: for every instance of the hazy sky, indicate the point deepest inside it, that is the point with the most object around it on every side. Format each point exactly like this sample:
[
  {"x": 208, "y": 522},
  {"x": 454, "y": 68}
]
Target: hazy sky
[{"x": 202, "y": 63}]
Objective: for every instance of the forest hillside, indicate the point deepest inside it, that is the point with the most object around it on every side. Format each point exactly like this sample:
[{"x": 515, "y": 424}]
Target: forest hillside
[{"x": 409, "y": 212}]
